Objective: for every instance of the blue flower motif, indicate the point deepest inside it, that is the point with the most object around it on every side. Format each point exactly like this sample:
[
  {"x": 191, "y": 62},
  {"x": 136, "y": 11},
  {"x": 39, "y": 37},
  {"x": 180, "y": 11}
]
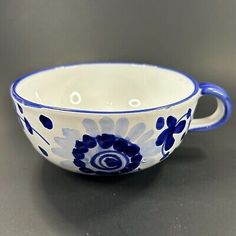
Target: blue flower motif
[
  {"x": 118, "y": 154},
  {"x": 106, "y": 147},
  {"x": 166, "y": 137}
]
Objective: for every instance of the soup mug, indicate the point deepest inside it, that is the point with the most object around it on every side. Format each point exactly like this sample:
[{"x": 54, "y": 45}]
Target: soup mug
[{"x": 112, "y": 118}]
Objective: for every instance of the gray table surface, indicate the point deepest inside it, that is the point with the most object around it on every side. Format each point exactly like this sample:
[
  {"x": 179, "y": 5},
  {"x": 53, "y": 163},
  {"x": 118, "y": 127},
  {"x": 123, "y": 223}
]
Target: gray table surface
[{"x": 191, "y": 193}]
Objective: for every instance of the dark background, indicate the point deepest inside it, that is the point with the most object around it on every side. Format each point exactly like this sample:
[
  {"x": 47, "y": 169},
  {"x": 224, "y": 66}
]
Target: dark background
[{"x": 193, "y": 192}]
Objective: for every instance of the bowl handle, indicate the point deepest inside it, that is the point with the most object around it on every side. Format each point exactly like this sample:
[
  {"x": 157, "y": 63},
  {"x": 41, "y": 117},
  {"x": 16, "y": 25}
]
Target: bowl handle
[{"x": 222, "y": 112}]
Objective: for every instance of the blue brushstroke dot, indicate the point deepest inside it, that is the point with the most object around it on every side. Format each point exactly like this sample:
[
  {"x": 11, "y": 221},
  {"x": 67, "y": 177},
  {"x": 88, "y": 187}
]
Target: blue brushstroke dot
[
  {"x": 160, "y": 123},
  {"x": 28, "y": 126},
  {"x": 20, "y": 108},
  {"x": 43, "y": 151},
  {"x": 189, "y": 113},
  {"x": 46, "y": 122}
]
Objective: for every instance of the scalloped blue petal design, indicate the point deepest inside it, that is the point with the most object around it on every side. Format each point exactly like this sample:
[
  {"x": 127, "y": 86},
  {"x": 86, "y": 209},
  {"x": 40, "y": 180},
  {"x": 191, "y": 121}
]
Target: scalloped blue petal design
[{"x": 117, "y": 155}]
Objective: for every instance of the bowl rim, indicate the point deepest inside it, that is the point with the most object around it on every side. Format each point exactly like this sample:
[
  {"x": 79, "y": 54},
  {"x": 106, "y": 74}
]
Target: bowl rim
[{"x": 29, "y": 103}]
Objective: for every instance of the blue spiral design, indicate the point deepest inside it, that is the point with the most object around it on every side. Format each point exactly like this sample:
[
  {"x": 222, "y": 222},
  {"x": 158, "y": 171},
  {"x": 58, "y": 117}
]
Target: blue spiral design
[
  {"x": 109, "y": 160},
  {"x": 116, "y": 155}
]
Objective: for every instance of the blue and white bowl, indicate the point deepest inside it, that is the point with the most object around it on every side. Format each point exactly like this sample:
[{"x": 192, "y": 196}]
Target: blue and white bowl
[{"x": 111, "y": 118}]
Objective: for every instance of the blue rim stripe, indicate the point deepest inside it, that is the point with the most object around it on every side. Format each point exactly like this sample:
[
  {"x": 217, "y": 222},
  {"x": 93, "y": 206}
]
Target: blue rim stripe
[{"x": 26, "y": 102}]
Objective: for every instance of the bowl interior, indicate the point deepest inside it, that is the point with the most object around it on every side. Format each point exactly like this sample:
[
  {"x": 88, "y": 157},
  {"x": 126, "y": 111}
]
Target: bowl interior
[{"x": 105, "y": 87}]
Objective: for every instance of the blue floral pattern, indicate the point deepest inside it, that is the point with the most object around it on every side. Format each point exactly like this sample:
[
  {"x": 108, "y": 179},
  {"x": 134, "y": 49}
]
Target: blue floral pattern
[
  {"x": 26, "y": 124},
  {"x": 111, "y": 147},
  {"x": 117, "y": 155},
  {"x": 107, "y": 147},
  {"x": 166, "y": 139}
]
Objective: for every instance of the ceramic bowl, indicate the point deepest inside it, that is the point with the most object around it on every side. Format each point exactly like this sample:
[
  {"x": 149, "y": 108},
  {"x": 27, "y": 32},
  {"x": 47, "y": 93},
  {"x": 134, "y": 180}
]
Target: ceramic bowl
[{"x": 112, "y": 118}]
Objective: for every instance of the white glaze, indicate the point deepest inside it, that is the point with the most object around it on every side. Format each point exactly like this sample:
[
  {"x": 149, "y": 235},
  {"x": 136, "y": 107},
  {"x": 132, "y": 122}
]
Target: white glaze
[{"x": 124, "y": 100}]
